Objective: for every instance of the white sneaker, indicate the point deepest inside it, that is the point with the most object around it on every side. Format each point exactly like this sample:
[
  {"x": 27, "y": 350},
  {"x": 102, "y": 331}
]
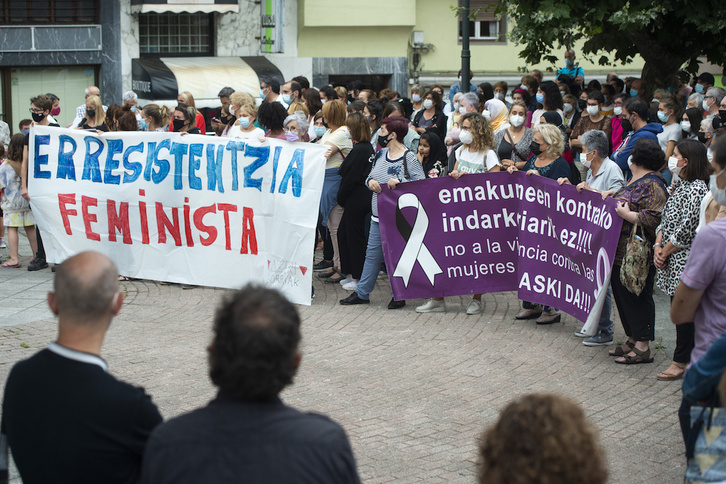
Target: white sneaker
[
  {"x": 474, "y": 307},
  {"x": 3, "y": 245},
  {"x": 432, "y": 306},
  {"x": 345, "y": 281},
  {"x": 351, "y": 286}
]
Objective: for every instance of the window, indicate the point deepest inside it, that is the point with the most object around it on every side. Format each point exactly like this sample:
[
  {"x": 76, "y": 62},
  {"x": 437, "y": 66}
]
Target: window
[
  {"x": 49, "y": 12},
  {"x": 484, "y": 27},
  {"x": 176, "y": 34}
]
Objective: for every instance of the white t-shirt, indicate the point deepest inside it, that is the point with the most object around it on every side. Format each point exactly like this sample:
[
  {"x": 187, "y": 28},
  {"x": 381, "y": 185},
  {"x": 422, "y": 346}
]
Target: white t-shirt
[
  {"x": 670, "y": 133},
  {"x": 236, "y": 132},
  {"x": 475, "y": 162}
]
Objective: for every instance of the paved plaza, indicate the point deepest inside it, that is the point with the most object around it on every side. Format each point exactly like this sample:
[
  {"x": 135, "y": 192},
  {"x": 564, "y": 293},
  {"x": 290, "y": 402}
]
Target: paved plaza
[{"x": 413, "y": 391}]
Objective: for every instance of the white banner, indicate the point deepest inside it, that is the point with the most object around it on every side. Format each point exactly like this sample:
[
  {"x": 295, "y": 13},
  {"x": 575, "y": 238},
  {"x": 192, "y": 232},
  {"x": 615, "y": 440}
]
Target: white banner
[{"x": 190, "y": 209}]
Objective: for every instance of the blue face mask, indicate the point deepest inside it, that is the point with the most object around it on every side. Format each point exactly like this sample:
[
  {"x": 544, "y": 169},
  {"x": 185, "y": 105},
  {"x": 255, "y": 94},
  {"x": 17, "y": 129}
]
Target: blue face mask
[
  {"x": 633, "y": 93},
  {"x": 143, "y": 125},
  {"x": 569, "y": 62},
  {"x": 244, "y": 122},
  {"x": 540, "y": 98},
  {"x": 133, "y": 109},
  {"x": 26, "y": 131},
  {"x": 319, "y": 131},
  {"x": 699, "y": 88},
  {"x": 662, "y": 116},
  {"x": 262, "y": 94},
  {"x": 286, "y": 98}
]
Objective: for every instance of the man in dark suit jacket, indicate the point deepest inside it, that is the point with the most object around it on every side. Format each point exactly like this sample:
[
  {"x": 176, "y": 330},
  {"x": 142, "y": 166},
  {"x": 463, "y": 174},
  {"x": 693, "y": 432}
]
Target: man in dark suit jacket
[
  {"x": 247, "y": 434},
  {"x": 65, "y": 418}
]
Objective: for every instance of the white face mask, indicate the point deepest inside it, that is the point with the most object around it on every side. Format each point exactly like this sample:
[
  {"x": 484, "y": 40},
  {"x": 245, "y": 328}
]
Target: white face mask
[
  {"x": 592, "y": 110},
  {"x": 709, "y": 155},
  {"x": 618, "y": 110},
  {"x": 567, "y": 107},
  {"x": 428, "y": 104},
  {"x": 719, "y": 194},
  {"x": 415, "y": 98},
  {"x": 456, "y": 106},
  {"x": 583, "y": 159},
  {"x": 466, "y": 137},
  {"x": 486, "y": 114},
  {"x": 630, "y": 162},
  {"x": 705, "y": 105},
  {"x": 524, "y": 88},
  {"x": 499, "y": 95},
  {"x": 516, "y": 120},
  {"x": 462, "y": 109},
  {"x": 673, "y": 166},
  {"x": 686, "y": 126}
]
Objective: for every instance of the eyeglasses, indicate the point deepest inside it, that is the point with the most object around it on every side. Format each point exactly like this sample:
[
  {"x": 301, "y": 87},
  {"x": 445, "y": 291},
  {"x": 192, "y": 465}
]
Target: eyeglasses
[
  {"x": 35, "y": 111},
  {"x": 290, "y": 130}
]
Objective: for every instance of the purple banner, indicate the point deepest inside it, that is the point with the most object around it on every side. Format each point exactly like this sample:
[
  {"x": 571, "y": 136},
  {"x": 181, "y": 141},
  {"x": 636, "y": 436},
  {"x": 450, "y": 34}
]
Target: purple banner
[{"x": 495, "y": 232}]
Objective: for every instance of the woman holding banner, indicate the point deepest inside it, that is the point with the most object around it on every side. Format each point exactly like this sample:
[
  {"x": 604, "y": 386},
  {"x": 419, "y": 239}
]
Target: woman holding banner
[
  {"x": 641, "y": 201},
  {"x": 548, "y": 144},
  {"x": 394, "y": 164},
  {"x": 475, "y": 155},
  {"x": 95, "y": 118}
]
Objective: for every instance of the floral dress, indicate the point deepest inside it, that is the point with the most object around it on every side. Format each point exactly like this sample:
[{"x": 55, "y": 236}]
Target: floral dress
[{"x": 678, "y": 223}]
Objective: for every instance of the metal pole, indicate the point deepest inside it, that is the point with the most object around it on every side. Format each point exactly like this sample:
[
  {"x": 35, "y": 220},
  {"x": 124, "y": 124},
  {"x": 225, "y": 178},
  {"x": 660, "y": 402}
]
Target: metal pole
[{"x": 465, "y": 54}]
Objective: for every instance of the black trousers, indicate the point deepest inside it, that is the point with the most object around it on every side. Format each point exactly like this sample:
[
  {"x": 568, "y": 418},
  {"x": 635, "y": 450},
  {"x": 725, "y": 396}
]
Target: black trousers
[
  {"x": 637, "y": 313},
  {"x": 40, "y": 255},
  {"x": 352, "y": 240}
]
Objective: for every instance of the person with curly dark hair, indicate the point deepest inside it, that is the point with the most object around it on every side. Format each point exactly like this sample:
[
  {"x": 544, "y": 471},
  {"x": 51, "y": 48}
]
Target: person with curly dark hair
[
  {"x": 271, "y": 116},
  {"x": 640, "y": 201},
  {"x": 541, "y": 439},
  {"x": 247, "y": 432}
]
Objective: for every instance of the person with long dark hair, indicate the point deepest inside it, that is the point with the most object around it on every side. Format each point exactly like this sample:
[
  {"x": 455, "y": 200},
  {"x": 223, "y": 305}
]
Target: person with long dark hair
[{"x": 548, "y": 99}]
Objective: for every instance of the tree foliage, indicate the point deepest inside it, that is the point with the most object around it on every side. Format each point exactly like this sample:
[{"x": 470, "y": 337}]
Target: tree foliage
[{"x": 668, "y": 34}]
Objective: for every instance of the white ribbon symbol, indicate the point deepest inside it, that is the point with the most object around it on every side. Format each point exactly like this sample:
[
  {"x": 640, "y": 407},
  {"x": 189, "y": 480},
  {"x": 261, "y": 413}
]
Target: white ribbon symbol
[{"x": 415, "y": 250}]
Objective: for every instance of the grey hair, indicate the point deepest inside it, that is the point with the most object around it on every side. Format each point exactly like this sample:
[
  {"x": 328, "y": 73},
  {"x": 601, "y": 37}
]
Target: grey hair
[
  {"x": 707, "y": 125},
  {"x": 596, "y": 140},
  {"x": 470, "y": 99},
  {"x": 717, "y": 93},
  {"x": 302, "y": 120},
  {"x": 130, "y": 96},
  {"x": 698, "y": 97},
  {"x": 225, "y": 92}
]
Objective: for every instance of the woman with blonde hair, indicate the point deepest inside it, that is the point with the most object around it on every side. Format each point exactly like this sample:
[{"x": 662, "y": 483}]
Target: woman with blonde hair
[
  {"x": 156, "y": 117},
  {"x": 475, "y": 155},
  {"x": 547, "y": 147},
  {"x": 95, "y": 117},
  {"x": 298, "y": 107},
  {"x": 340, "y": 145},
  {"x": 243, "y": 107}
]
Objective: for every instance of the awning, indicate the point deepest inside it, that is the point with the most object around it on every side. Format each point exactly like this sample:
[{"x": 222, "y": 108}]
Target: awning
[
  {"x": 160, "y": 80},
  {"x": 184, "y": 6}
]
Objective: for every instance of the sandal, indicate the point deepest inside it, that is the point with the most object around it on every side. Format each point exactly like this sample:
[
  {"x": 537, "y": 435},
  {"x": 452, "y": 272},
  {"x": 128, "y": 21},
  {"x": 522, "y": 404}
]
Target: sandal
[
  {"x": 619, "y": 350},
  {"x": 640, "y": 357},
  {"x": 668, "y": 376}
]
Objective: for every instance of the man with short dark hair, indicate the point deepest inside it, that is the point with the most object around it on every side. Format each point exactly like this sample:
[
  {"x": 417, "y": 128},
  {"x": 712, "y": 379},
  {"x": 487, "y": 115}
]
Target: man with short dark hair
[
  {"x": 270, "y": 91},
  {"x": 224, "y": 95},
  {"x": 303, "y": 81},
  {"x": 66, "y": 419},
  {"x": 247, "y": 434},
  {"x": 636, "y": 112},
  {"x": 291, "y": 92},
  {"x": 704, "y": 82}
]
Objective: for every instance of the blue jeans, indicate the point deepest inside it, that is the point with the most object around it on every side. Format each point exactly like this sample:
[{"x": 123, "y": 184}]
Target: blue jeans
[
  {"x": 606, "y": 323},
  {"x": 372, "y": 266}
]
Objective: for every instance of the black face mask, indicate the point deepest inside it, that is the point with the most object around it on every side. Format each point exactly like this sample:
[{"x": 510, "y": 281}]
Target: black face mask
[
  {"x": 582, "y": 104},
  {"x": 717, "y": 121},
  {"x": 178, "y": 124},
  {"x": 38, "y": 117},
  {"x": 383, "y": 141},
  {"x": 722, "y": 114},
  {"x": 627, "y": 126},
  {"x": 225, "y": 119},
  {"x": 702, "y": 137},
  {"x": 91, "y": 113},
  {"x": 535, "y": 148}
]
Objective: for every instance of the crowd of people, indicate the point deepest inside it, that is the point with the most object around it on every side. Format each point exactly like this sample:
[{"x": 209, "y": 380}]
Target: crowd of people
[{"x": 660, "y": 154}]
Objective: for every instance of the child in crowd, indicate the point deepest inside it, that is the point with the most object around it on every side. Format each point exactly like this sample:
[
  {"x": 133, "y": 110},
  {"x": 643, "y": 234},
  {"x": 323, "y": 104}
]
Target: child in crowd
[{"x": 16, "y": 209}]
